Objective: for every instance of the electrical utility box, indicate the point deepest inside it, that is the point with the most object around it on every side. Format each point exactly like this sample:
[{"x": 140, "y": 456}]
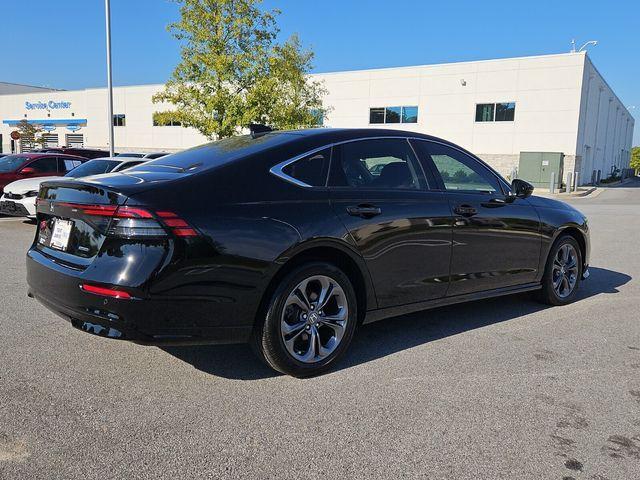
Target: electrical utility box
[{"x": 536, "y": 168}]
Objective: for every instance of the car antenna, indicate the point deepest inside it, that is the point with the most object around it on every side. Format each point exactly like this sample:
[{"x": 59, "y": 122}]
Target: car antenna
[{"x": 258, "y": 129}]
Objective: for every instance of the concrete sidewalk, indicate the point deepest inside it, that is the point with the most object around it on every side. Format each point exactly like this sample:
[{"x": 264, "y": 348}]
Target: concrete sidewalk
[{"x": 587, "y": 190}]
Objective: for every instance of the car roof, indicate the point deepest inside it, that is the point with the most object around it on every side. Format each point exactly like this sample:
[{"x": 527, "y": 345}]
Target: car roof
[
  {"x": 83, "y": 149},
  {"x": 348, "y": 133},
  {"x": 327, "y": 136},
  {"x": 119, "y": 159},
  {"x": 30, "y": 155}
]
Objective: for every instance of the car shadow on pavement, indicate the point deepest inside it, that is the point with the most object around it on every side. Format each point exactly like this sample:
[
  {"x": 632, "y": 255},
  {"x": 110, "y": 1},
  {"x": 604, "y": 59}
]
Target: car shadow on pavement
[{"x": 389, "y": 336}]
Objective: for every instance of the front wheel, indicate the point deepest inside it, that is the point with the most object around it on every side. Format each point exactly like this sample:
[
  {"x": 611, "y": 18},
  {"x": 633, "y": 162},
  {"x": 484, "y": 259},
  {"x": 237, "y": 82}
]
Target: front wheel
[
  {"x": 310, "y": 321},
  {"x": 563, "y": 272}
]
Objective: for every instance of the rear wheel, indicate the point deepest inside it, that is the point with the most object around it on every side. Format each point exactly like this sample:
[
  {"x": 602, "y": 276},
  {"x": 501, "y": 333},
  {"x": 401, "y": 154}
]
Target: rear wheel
[
  {"x": 563, "y": 272},
  {"x": 310, "y": 321}
]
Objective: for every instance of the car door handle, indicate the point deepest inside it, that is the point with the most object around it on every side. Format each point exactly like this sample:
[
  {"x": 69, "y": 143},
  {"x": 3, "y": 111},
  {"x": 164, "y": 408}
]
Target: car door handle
[
  {"x": 495, "y": 202},
  {"x": 465, "y": 210},
  {"x": 364, "y": 211}
]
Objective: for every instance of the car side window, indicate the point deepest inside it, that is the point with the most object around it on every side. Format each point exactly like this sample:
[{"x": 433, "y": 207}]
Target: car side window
[
  {"x": 387, "y": 163},
  {"x": 45, "y": 165},
  {"x": 310, "y": 170},
  {"x": 65, "y": 165},
  {"x": 459, "y": 171}
]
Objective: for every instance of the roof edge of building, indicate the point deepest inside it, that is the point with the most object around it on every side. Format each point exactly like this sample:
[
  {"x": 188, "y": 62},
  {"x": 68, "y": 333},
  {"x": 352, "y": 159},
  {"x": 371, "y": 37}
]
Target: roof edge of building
[
  {"x": 463, "y": 62},
  {"x": 50, "y": 89}
]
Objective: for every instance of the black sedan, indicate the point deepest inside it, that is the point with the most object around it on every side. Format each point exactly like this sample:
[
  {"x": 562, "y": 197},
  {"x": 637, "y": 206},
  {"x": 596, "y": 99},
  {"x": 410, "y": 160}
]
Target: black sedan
[{"x": 290, "y": 240}]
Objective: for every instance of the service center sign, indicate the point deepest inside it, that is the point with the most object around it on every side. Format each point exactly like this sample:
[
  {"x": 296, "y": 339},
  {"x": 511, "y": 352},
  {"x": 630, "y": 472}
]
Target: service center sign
[{"x": 50, "y": 105}]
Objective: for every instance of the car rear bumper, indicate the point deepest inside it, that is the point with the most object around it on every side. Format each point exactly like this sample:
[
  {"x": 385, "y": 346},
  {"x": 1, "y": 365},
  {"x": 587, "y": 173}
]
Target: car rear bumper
[{"x": 147, "y": 321}]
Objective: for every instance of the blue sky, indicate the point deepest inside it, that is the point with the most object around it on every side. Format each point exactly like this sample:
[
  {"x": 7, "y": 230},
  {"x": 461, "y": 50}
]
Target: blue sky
[{"x": 61, "y": 43}]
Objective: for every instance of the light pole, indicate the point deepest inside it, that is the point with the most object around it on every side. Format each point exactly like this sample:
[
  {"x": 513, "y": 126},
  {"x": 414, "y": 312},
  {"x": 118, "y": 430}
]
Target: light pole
[
  {"x": 107, "y": 11},
  {"x": 590, "y": 42}
]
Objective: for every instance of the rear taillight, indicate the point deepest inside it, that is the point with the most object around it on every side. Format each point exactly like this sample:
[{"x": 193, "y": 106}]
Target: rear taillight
[
  {"x": 177, "y": 225},
  {"x": 131, "y": 222},
  {"x": 134, "y": 222},
  {"x": 105, "y": 292}
]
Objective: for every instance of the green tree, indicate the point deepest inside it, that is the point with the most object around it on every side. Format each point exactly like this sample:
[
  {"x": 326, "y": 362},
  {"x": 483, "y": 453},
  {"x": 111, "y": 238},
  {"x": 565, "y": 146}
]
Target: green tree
[
  {"x": 30, "y": 135},
  {"x": 635, "y": 159},
  {"x": 233, "y": 71}
]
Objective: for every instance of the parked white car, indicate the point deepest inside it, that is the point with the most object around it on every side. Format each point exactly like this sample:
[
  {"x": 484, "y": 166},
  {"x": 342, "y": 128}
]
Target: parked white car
[{"x": 19, "y": 198}]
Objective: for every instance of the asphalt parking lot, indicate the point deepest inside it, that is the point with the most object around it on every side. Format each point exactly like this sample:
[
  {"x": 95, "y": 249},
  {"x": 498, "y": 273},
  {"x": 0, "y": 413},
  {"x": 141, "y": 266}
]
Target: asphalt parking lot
[{"x": 504, "y": 388}]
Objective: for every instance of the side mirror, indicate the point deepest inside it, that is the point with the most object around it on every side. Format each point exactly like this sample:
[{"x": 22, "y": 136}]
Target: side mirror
[
  {"x": 521, "y": 189},
  {"x": 28, "y": 171}
]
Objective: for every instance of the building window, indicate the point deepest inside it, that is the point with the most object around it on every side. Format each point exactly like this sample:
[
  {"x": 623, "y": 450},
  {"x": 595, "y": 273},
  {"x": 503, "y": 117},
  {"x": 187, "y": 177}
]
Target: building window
[
  {"x": 495, "y": 112},
  {"x": 119, "y": 120},
  {"x": 393, "y": 115},
  {"x": 376, "y": 115},
  {"x": 485, "y": 112},
  {"x": 505, "y": 112},
  {"x": 409, "y": 114},
  {"x": 164, "y": 120}
]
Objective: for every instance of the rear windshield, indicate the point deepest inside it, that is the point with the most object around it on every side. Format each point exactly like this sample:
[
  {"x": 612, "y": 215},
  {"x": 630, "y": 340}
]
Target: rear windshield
[
  {"x": 214, "y": 154},
  {"x": 93, "y": 167},
  {"x": 11, "y": 162},
  {"x": 128, "y": 165}
]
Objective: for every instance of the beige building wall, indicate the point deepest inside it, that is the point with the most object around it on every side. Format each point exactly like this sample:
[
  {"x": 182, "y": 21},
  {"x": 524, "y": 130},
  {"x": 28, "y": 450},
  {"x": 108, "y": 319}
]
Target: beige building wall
[
  {"x": 134, "y": 102},
  {"x": 546, "y": 90},
  {"x": 606, "y": 127},
  {"x": 562, "y": 104}
]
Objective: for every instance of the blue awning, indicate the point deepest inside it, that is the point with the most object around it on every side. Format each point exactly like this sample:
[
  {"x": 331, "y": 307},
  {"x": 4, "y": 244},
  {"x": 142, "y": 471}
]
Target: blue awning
[{"x": 49, "y": 121}]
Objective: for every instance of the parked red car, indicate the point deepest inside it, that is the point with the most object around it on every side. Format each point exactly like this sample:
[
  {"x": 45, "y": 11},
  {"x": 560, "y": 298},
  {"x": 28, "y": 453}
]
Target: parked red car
[{"x": 27, "y": 165}]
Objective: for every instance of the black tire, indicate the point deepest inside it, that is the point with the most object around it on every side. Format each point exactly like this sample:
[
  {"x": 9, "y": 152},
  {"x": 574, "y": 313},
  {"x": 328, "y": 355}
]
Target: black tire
[
  {"x": 548, "y": 293},
  {"x": 268, "y": 341}
]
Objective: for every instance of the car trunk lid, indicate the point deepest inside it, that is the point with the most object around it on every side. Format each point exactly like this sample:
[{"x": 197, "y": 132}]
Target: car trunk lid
[
  {"x": 66, "y": 229},
  {"x": 75, "y": 218}
]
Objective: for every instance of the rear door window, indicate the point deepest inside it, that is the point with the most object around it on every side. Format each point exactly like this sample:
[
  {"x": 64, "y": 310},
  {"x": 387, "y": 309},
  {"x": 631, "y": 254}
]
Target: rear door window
[
  {"x": 65, "y": 165},
  {"x": 379, "y": 164}
]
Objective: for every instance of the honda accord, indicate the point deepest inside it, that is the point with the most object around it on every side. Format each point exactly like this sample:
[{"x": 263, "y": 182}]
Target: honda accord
[{"x": 290, "y": 240}]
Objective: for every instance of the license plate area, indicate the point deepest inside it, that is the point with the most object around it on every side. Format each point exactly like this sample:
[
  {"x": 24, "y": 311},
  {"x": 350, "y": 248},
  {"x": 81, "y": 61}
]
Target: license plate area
[
  {"x": 60, "y": 234},
  {"x": 8, "y": 206}
]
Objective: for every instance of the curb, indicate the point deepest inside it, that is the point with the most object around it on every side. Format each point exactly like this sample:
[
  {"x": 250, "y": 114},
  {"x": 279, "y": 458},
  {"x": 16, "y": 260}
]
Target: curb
[
  {"x": 591, "y": 192},
  {"x": 595, "y": 191}
]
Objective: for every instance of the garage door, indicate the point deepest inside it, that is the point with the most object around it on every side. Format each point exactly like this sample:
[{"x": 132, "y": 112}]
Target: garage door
[
  {"x": 50, "y": 140},
  {"x": 75, "y": 140}
]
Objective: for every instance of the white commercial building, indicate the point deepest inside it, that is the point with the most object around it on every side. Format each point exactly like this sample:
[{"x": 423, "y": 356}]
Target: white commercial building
[{"x": 494, "y": 108}]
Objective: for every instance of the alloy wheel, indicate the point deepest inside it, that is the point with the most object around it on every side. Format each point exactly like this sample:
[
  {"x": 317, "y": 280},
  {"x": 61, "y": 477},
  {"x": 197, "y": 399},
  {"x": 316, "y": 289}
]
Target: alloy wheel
[
  {"x": 314, "y": 319},
  {"x": 565, "y": 270}
]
